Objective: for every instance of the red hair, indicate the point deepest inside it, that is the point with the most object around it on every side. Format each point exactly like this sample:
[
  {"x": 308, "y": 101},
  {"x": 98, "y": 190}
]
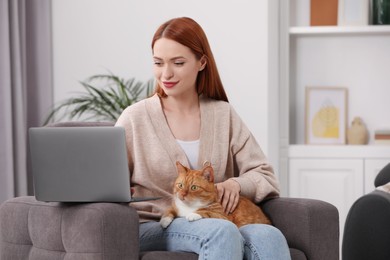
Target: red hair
[{"x": 189, "y": 33}]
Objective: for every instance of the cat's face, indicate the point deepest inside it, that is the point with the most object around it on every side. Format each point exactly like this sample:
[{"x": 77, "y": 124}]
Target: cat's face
[{"x": 195, "y": 186}]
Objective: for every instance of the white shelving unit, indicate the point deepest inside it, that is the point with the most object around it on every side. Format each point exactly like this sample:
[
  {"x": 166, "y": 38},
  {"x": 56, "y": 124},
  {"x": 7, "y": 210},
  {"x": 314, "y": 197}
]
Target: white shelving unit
[
  {"x": 355, "y": 57},
  {"x": 347, "y": 30}
]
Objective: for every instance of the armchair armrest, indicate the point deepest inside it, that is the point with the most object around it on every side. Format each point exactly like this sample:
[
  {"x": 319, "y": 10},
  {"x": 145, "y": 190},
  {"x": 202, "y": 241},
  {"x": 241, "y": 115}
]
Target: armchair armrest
[
  {"x": 309, "y": 225},
  {"x": 30, "y": 229}
]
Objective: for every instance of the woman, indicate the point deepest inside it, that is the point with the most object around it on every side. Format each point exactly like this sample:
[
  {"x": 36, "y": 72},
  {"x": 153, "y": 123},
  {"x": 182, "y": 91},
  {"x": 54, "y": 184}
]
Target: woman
[{"x": 190, "y": 120}]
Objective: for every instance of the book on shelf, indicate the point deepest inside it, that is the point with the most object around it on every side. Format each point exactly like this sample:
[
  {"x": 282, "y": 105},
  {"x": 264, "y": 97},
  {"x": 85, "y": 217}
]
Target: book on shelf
[
  {"x": 382, "y": 136},
  {"x": 323, "y": 12}
]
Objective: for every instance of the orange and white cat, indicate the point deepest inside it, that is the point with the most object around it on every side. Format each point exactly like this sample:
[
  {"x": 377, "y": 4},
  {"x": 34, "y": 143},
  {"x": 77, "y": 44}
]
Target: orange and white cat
[{"x": 195, "y": 197}]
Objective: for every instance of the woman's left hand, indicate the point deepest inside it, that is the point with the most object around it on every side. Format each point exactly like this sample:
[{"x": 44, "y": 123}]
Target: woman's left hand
[{"x": 228, "y": 194}]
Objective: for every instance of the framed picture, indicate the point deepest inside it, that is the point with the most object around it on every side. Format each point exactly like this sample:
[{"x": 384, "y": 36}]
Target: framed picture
[
  {"x": 353, "y": 12},
  {"x": 326, "y": 115}
]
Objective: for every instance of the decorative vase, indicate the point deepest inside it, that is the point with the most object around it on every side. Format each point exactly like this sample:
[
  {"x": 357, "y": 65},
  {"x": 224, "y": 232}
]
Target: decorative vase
[{"x": 357, "y": 132}]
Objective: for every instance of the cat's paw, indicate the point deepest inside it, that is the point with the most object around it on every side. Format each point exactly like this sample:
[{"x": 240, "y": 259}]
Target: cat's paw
[
  {"x": 166, "y": 221},
  {"x": 193, "y": 216}
]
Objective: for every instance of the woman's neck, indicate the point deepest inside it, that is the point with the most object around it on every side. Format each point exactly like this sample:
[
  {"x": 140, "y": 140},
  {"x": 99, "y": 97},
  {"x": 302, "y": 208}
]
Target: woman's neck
[
  {"x": 183, "y": 117},
  {"x": 183, "y": 104}
]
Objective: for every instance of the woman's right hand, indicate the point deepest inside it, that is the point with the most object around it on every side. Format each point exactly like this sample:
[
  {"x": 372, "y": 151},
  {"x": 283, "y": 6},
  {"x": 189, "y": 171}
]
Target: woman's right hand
[{"x": 228, "y": 194}]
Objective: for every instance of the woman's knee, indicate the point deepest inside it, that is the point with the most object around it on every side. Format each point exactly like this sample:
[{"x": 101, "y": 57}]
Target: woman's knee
[
  {"x": 264, "y": 242},
  {"x": 223, "y": 229},
  {"x": 260, "y": 231},
  {"x": 221, "y": 224},
  {"x": 225, "y": 239}
]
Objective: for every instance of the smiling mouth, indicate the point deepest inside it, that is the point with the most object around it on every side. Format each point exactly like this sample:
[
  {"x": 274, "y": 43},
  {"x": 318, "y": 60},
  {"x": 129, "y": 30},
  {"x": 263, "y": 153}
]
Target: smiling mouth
[{"x": 169, "y": 84}]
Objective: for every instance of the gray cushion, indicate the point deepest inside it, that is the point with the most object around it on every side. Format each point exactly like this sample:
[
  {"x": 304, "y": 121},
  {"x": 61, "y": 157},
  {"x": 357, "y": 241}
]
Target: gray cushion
[
  {"x": 367, "y": 228},
  {"x": 383, "y": 176},
  {"x": 35, "y": 230}
]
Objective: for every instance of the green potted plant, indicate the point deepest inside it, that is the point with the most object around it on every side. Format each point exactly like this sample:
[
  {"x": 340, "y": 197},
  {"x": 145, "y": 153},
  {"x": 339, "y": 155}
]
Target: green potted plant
[{"x": 101, "y": 102}]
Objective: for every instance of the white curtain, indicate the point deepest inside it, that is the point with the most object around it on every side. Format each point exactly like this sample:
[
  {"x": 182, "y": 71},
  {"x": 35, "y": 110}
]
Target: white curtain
[{"x": 25, "y": 87}]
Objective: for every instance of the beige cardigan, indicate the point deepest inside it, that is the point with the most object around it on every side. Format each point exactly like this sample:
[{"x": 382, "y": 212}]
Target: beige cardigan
[{"x": 224, "y": 141}]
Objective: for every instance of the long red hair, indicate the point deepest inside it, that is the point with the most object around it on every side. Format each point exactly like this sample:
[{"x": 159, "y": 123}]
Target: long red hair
[{"x": 189, "y": 33}]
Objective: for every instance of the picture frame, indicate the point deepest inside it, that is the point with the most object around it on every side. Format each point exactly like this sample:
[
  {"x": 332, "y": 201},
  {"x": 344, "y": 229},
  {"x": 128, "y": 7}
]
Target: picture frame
[
  {"x": 353, "y": 12},
  {"x": 326, "y": 115}
]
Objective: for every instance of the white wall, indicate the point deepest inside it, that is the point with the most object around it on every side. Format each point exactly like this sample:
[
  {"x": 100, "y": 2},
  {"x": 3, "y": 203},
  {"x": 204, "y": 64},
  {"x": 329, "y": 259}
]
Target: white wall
[{"x": 90, "y": 36}]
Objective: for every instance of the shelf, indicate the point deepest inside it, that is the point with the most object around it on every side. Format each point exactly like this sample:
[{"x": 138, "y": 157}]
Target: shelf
[
  {"x": 339, "y": 151},
  {"x": 319, "y": 30}
]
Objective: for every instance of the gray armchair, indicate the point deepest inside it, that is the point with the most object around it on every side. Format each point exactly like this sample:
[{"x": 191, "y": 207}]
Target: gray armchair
[
  {"x": 30, "y": 229},
  {"x": 366, "y": 230}
]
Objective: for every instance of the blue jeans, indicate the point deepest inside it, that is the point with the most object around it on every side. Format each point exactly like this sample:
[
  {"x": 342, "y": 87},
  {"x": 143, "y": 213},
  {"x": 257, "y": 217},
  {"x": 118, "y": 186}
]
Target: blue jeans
[{"x": 214, "y": 239}]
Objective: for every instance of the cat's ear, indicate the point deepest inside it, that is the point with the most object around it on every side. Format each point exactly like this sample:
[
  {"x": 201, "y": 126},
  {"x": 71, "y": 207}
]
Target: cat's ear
[
  {"x": 208, "y": 173},
  {"x": 180, "y": 168}
]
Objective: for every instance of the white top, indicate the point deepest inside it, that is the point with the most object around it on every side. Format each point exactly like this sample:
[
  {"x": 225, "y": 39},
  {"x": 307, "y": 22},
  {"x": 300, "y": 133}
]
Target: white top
[{"x": 191, "y": 149}]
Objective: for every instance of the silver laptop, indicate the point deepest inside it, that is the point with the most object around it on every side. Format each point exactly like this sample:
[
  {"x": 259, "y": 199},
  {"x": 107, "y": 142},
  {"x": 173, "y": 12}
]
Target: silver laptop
[{"x": 80, "y": 164}]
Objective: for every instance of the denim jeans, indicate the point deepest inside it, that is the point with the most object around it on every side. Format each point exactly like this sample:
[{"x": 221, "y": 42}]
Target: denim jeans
[{"x": 214, "y": 239}]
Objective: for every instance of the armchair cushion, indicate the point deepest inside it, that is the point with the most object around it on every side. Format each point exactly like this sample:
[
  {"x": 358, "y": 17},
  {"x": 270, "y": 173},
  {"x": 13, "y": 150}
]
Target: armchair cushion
[
  {"x": 383, "y": 176},
  {"x": 366, "y": 230},
  {"x": 36, "y": 230}
]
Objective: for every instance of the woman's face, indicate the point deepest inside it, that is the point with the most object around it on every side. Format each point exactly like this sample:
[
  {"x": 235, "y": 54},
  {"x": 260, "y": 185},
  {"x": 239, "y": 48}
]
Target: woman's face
[{"x": 175, "y": 67}]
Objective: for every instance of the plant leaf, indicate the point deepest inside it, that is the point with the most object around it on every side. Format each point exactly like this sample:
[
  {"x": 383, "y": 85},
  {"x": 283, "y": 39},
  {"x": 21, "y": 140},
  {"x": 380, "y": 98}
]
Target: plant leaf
[{"x": 105, "y": 96}]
